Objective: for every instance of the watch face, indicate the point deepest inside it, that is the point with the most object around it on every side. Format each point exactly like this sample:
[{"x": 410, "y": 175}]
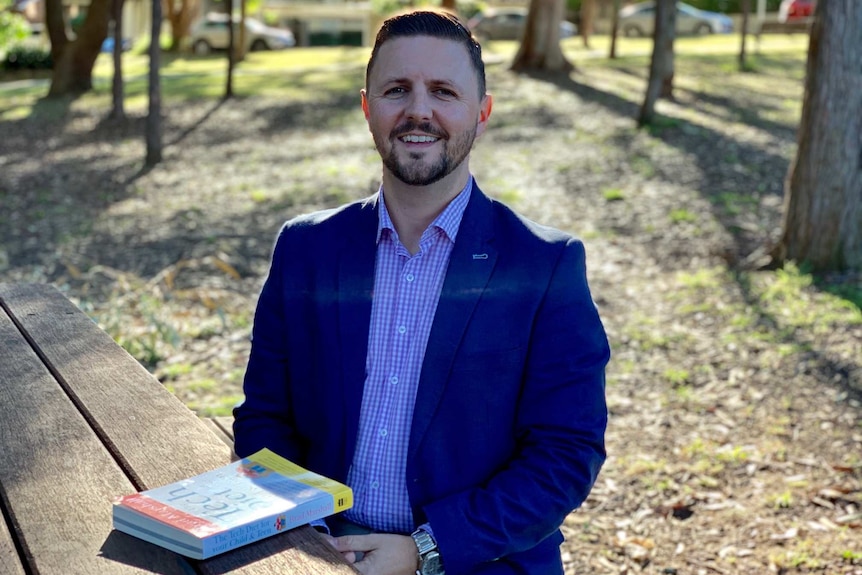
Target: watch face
[{"x": 431, "y": 564}]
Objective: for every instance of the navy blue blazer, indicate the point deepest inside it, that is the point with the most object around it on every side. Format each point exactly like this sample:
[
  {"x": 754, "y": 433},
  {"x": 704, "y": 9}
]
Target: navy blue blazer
[{"x": 508, "y": 427}]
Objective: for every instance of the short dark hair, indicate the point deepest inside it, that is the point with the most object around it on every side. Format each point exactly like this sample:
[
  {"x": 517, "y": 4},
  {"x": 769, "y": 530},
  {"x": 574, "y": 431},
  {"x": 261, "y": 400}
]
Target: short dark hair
[{"x": 436, "y": 25}]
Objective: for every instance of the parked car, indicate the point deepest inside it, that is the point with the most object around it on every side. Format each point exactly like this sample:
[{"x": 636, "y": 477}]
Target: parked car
[
  {"x": 508, "y": 24},
  {"x": 108, "y": 45},
  {"x": 796, "y": 10},
  {"x": 639, "y": 20},
  {"x": 211, "y": 33}
]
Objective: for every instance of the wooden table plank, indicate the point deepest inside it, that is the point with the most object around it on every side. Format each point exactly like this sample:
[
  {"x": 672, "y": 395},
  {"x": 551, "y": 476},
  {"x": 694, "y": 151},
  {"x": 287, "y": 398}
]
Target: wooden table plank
[
  {"x": 10, "y": 563},
  {"x": 57, "y": 478},
  {"x": 137, "y": 417},
  {"x": 149, "y": 432},
  {"x": 223, "y": 428}
]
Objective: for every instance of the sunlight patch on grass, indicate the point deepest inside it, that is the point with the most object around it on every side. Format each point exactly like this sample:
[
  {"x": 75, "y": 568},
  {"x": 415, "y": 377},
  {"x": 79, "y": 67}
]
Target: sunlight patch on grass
[
  {"x": 681, "y": 215},
  {"x": 613, "y": 195},
  {"x": 642, "y": 466},
  {"x": 647, "y": 337},
  {"x": 203, "y": 385},
  {"x": 790, "y": 297},
  {"x": 174, "y": 370},
  {"x": 222, "y": 406},
  {"x": 676, "y": 376},
  {"x": 702, "y": 279}
]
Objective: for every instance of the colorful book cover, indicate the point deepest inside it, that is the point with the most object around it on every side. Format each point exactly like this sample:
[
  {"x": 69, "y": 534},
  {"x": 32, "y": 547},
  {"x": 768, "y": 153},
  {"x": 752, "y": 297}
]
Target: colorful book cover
[{"x": 245, "y": 501}]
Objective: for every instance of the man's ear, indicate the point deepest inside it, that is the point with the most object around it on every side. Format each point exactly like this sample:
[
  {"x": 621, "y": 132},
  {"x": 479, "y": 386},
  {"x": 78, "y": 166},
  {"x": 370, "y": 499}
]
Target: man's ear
[
  {"x": 364, "y": 95},
  {"x": 484, "y": 113}
]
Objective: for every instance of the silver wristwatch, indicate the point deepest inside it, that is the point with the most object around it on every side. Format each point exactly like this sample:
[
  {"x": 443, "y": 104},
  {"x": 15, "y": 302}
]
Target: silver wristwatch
[{"x": 430, "y": 562}]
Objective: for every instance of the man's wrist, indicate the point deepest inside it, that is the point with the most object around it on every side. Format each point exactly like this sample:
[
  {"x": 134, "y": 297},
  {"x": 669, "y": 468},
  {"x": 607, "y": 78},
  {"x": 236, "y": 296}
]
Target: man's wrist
[{"x": 429, "y": 560}]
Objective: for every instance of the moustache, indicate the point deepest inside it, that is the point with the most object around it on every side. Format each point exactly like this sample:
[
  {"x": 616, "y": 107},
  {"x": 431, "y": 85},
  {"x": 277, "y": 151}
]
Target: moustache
[{"x": 425, "y": 128}]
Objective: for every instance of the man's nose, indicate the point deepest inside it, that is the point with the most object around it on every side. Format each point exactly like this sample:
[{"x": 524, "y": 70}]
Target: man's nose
[{"x": 419, "y": 105}]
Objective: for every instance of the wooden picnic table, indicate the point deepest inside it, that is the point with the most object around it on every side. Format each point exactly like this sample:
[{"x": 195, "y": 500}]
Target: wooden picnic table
[{"x": 82, "y": 422}]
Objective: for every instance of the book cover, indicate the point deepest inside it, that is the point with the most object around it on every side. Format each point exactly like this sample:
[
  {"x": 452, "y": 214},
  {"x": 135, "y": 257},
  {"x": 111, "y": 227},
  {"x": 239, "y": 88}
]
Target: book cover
[{"x": 234, "y": 505}]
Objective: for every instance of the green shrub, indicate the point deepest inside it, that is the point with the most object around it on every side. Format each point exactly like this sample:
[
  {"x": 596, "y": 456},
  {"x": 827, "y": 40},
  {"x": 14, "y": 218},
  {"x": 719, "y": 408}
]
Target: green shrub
[
  {"x": 24, "y": 58},
  {"x": 13, "y": 27}
]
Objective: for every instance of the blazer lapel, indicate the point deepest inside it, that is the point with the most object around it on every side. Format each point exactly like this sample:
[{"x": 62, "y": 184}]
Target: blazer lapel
[
  {"x": 470, "y": 266},
  {"x": 355, "y": 290}
]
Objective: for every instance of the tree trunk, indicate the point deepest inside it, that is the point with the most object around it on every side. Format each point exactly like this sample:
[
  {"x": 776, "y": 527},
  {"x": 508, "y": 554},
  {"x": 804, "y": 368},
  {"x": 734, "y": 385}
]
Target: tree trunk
[
  {"x": 118, "y": 111},
  {"x": 746, "y": 9},
  {"x": 540, "y": 47},
  {"x": 73, "y": 61},
  {"x": 615, "y": 27},
  {"x": 180, "y": 19},
  {"x": 588, "y": 16},
  {"x": 823, "y": 192},
  {"x": 660, "y": 83},
  {"x": 241, "y": 48},
  {"x": 449, "y": 5},
  {"x": 154, "y": 115},
  {"x": 56, "y": 26},
  {"x": 231, "y": 54}
]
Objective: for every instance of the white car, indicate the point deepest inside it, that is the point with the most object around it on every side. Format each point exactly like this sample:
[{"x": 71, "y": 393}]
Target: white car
[
  {"x": 211, "y": 33},
  {"x": 639, "y": 20}
]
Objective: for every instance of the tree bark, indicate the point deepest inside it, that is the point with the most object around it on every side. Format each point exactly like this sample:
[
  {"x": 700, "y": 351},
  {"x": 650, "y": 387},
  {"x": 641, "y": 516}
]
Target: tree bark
[
  {"x": 588, "y": 16},
  {"x": 154, "y": 114},
  {"x": 823, "y": 191},
  {"x": 241, "y": 47},
  {"x": 746, "y": 9},
  {"x": 74, "y": 60},
  {"x": 180, "y": 18},
  {"x": 661, "y": 72},
  {"x": 118, "y": 110},
  {"x": 231, "y": 51},
  {"x": 615, "y": 27},
  {"x": 540, "y": 47},
  {"x": 56, "y": 26}
]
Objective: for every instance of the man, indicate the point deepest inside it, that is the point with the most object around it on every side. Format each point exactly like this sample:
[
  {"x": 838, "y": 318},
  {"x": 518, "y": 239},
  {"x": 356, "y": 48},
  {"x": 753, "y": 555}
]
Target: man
[{"x": 428, "y": 346}]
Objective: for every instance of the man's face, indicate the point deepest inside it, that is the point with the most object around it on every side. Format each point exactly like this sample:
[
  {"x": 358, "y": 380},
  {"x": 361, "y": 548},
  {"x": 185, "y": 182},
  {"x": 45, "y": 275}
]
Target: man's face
[{"x": 423, "y": 108}]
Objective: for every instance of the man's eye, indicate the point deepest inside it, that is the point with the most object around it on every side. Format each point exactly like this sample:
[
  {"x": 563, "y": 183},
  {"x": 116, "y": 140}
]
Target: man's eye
[
  {"x": 395, "y": 91},
  {"x": 445, "y": 92}
]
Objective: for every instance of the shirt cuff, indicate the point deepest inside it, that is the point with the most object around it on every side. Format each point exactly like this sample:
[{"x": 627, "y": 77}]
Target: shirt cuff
[
  {"x": 321, "y": 526},
  {"x": 427, "y": 528}
]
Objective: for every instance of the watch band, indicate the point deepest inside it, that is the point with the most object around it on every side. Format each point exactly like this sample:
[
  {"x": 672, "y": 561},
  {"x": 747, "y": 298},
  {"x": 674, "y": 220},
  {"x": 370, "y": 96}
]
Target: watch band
[
  {"x": 429, "y": 558},
  {"x": 424, "y": 542}
]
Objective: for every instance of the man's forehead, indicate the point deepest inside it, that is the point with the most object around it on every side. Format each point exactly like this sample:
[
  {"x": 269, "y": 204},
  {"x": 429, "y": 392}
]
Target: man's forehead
[{"x": 422, "y": 54}]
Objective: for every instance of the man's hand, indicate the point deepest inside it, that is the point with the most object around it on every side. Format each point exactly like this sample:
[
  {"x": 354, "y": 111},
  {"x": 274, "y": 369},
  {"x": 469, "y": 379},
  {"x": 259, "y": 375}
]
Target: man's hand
[{"x": 382, "y": 554}]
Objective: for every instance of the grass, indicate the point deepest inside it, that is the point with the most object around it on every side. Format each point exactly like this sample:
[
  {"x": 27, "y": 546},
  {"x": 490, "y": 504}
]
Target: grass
[{"x": 309, "y": 73}]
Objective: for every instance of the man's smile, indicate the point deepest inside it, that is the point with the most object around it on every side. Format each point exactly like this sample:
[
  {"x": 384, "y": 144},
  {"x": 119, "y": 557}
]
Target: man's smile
[{"x": 417, "y": 139}]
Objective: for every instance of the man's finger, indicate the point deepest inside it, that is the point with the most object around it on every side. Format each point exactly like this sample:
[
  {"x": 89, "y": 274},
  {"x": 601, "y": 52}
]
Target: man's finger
[{"x": 356, "y": 543}]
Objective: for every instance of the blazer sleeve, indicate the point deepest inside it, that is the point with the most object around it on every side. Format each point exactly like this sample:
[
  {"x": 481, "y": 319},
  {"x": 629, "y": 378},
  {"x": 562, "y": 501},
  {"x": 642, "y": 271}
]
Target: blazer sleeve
[
  {"x": 560, "y": 424},
  {"x": 264, "y": 417}
]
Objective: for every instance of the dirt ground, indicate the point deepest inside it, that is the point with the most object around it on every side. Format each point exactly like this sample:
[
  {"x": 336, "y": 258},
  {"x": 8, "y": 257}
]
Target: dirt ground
[{"x": 735, "y": 444}]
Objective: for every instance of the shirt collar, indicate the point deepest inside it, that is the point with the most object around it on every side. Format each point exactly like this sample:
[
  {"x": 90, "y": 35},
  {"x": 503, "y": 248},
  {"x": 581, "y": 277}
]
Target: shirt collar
[{"x": 449, "y": 220}]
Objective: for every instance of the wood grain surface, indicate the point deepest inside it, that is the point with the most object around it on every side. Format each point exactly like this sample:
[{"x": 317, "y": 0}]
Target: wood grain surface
[
  {"x": 58, "y": 480},
  {"x": 82, "y": 423}
]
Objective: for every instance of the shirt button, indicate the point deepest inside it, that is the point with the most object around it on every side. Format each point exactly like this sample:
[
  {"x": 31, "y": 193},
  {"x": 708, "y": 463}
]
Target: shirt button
[
  {"x": 393, "y": 380},
  {"x": 375, "y": 484},
  {"x": 402, "y": 330},
  {"x": 410, "y": 277},
  {"x": 383, "y": 433}
]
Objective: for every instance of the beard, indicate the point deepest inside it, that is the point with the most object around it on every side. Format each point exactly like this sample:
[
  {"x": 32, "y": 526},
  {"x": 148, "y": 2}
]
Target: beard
[{"x": 414, "y": 170}]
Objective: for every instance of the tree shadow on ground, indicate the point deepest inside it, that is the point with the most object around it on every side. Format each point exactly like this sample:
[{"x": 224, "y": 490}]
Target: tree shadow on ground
[
  {"x": 736, "y": 174},
  {"x": 845, "y": 375},
  {"x": 703, "y": 145}
]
